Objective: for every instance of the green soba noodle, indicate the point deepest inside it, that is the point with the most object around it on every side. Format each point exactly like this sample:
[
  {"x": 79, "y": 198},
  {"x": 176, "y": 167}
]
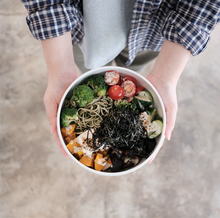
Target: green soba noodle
[{"x": 91, "y": 115}]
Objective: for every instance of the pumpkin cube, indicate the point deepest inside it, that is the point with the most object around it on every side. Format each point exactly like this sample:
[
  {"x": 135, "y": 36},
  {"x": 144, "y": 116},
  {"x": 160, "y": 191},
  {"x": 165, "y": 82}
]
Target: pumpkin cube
[
  {"x": 70, "y": 137},
  {"x": 100, "y": 162},
  {"x": 104, "y": 152},
  {"x": 67, "y": 131},
  {"x": 74, "y": 147},
  {"x": 79, "y": 154},
  {"x": 88, "y": 161}
]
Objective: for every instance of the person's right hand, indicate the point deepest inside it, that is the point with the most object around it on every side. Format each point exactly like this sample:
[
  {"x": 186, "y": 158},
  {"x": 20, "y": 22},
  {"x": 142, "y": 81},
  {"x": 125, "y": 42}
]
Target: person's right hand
[
  {"x": 54, "y": 92},
  {"x": 62, "y": 72}
]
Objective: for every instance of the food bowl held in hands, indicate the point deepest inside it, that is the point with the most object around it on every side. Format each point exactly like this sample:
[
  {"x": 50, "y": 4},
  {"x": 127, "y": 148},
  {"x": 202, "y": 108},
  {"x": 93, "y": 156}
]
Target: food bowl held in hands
[{"x": 98, "y": 157}]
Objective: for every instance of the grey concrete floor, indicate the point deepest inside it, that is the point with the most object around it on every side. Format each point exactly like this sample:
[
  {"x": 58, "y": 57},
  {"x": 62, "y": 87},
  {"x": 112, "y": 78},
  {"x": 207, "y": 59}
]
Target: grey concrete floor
[{"x": 37, "y": 181}]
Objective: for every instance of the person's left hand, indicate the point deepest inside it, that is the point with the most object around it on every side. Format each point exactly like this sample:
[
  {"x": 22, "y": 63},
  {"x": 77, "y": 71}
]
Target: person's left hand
[
  {"x": 164, "y": 77},
  {"x": 167, "y": 91}
]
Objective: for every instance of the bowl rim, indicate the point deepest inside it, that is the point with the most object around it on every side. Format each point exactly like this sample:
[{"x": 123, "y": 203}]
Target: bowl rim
[{"x": 98, "y": 71}]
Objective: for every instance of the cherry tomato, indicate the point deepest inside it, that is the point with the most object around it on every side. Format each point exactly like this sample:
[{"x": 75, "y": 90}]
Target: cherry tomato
[
  {"x": 111, "y": 77},
  {"x": 116, "y": 92},
  {"x": 130, "y": 78},
  {"x": 129, "y": 99},
  {"x": 129, "y": 88},
  {"x": 139, "y": 89},
  {"x": 120, "y": 81}
]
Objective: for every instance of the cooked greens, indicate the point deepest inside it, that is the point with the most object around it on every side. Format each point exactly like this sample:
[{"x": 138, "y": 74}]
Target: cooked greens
[
  {"x": 82, "y": 95},
  {"x": 97, "y": 84},
  {"x": 68, "y": 115}
]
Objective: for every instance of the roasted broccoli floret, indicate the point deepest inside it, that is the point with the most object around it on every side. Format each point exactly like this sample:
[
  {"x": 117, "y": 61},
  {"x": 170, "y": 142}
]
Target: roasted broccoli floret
[
  {"x": 68, "y": 104},
  {"x": 122, "y": 103},
  {"x": 98, "y": 85},
  {"x": 82, "y": 95},
  {"x": 68, "y": 115}
]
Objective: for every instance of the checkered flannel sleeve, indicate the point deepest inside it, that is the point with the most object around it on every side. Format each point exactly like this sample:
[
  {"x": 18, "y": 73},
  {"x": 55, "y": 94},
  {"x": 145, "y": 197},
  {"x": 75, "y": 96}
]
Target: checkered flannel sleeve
[
  {"x": 191, "y": 23},
  {"x": 51, "y": 18}
]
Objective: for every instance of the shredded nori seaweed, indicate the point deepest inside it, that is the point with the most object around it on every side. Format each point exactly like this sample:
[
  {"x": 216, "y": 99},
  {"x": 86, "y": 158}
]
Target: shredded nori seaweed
[{"x": 121, "y": 129}]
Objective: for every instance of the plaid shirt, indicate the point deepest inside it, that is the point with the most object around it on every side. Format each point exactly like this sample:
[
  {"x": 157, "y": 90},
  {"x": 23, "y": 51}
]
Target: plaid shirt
[{"x": 186, "y": 22}]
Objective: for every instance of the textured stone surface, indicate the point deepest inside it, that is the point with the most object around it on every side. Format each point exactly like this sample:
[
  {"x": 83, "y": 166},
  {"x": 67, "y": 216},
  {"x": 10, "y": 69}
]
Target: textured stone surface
[{"x": 38, "y": 181}]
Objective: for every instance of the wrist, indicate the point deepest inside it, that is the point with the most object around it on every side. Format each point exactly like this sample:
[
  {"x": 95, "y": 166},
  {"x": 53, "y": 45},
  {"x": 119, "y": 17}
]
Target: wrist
[
  {"x": 171, "y": 62},
  {"x": 63, "y": 77},
  {"x": 59, "y": 58},
  {"x": 162, "y": 75}
]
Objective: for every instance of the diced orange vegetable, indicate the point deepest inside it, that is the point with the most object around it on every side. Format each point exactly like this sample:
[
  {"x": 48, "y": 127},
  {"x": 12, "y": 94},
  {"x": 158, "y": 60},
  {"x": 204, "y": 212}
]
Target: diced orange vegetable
[
  {"x": 79, "y": 154},
  {"x": 109, "y": 161},
  {"x": 104, "y": 152},
  {"x": 70, "y": 137},
  {"x": 72, "y": 146},
  {"x": 88, "y": 161},
  {"x": 100, "y": 162},
  {"x": 67, "y": 131}
]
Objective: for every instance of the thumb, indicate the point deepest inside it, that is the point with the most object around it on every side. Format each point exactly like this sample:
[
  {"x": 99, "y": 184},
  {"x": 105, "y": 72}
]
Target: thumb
[
  {"x": 171, "y": 112},
  {"x": 51, "y": 110},
  {"x": 51, "y": 106}
]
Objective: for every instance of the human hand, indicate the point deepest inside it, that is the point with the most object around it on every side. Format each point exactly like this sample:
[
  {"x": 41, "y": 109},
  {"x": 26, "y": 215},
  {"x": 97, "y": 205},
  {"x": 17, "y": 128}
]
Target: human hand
[
  {"x": 167, "y": 90},
  {"x": 54, "y": 92},
  {"x": 62, "y": 72},
  {"x": 164, "y": 77}
]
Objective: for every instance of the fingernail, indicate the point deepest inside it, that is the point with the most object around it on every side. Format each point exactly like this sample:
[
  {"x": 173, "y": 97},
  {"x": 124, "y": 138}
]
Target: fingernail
[
  {"x": 65, "y": 154},
  {"x": 169, "y": 136},
  {"x": 51, "y": 129}
]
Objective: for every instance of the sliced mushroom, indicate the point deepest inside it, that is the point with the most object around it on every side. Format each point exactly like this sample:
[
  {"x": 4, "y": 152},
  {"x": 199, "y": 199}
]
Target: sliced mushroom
[
  {"x": 107, "y": 166},
  {"x": 116, "y": 163},
  {"x": 131, "y": 162},
  {"x": 118, "y": 152}
]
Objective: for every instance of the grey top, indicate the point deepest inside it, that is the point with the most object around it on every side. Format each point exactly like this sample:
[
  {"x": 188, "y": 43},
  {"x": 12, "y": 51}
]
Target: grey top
[{"x": 106, "y": 26}]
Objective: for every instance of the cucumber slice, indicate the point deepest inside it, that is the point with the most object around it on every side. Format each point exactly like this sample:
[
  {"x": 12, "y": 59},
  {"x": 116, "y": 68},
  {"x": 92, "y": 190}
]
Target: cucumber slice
[
  {"x": 155, "y": 129},
  {"x": 159, "y": 118},
  {"x": 147, "y": 95},
  {"x": 152, "y": 112},
  {"x": 133, "y": 106},
  {"x": 141, "y": 102}
]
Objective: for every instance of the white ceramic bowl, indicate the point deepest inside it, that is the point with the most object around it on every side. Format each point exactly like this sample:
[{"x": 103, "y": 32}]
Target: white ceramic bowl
[{"x": 141, "y": 81}]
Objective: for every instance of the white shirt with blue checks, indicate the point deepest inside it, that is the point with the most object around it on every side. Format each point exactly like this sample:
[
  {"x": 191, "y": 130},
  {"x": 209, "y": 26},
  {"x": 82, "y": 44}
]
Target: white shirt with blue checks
[{"x": 185, "y": 22}]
